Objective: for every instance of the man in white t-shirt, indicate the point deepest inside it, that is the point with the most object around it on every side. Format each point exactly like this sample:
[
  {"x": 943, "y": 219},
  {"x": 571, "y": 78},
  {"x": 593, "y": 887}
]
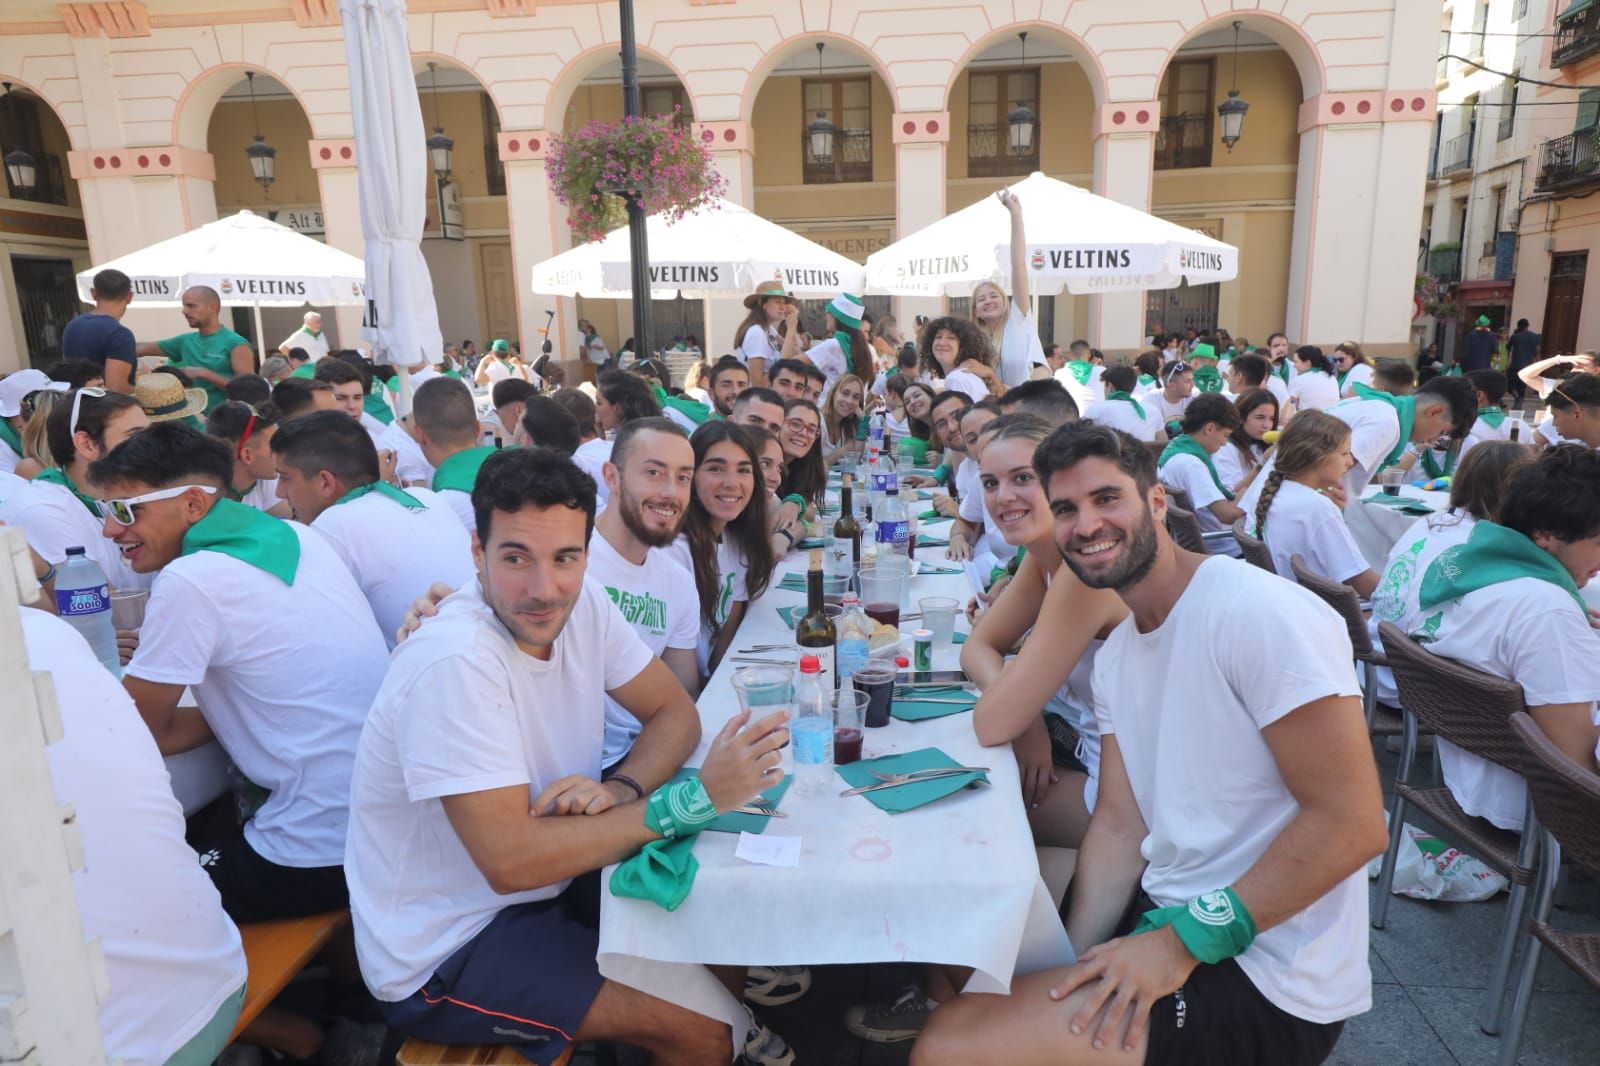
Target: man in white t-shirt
[
  {"x": 1177, "y": 389},
  {"x": 1255, "y": 951},
  {"x": 1575, "y": 410},
  {"x": 479, "y": 820},
  {"x": 593, "y": 449},
  {"x": 1506, "y": 602},
  {"x": 1081, "y": 378},
  {"x": 1121, "y": 410},
  {"x": 1187, "y": 464},
  {"x": 260, "y": 619},
  {"x": 309, "y": 338},
  {"x": 174, "y": 963},
  {"x": 349, "y": 394},
  {"x": 446, "y": 421},
  {"x": 249, "y": 433},
  {"x": 395, "y": 542},
  {"x": 1248, "y": 371},
  {"x": 57, "y": 508}
]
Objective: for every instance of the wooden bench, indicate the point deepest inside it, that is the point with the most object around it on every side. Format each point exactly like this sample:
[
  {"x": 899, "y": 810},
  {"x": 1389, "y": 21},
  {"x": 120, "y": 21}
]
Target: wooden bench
[
  {"x": 422, "y": 1053},
  {"x": 275, "y": 952}
]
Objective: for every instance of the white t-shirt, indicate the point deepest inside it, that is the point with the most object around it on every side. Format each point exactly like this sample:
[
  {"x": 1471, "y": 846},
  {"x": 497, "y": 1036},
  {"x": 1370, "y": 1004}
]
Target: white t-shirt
[
  {"x": 1314, "y": 390},
  {"x": 1174, "y": 737},
  {"x": 1528, "y": 631},
  {"x": 965, "y": 381},
  {"x": 1400, "y": 588},
  {"x": 410, "y": 465},
  {"x": 314, "y": 345},
  {"x": 591, "y": 458},
  {"x": 172, "y": 955},
  {"x": 10, "y": 485},
  {"x": 1360, "y": 374},
  {"x": 760, "y": 342},
  {"x": 1188, "y": 473},
  {"x": 597, "y": 351},
  {"x": 1304, "y": 522},
  {"x": 395, "y": 552},
  {"x": 494, "y": 371},
  {"x": 731, "y": 589},
  {"x": 1482, "y": 431},
  {"x": 973, "y": 508},
  {"x": 55, "y": 520},
  {"x": 460, "y": 505},
  {"x": 263, "y": 495},
  {"x": 828, "y": 357},
  {"x": 1121, "y": 414},
  {"x": 659, "y": 600},
  {"x": 1279, "y": 388},
  {"x": 1230, "y": 465},
  {"x": 1086, "y": 395},
  {"x": 463, "y": 709},
  {"x": 8, "y": 458},
  {"x": 1020, "y": 348},
  {"x": 284, "y": 675},
  {"x": 1166, "y": 410},
  {"x": 1374, "y": 431},
  {"x": 375, "y": 429}
]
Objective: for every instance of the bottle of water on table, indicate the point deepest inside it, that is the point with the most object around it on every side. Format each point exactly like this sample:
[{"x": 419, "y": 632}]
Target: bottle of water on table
[
  {"x": 811, "y": 730},
  {"x": 83, "y": 600}
]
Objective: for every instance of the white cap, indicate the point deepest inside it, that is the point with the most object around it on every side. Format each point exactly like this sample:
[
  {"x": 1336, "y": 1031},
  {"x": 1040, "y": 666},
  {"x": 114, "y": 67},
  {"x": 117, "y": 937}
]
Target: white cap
[{"x": 16, "y": 386}]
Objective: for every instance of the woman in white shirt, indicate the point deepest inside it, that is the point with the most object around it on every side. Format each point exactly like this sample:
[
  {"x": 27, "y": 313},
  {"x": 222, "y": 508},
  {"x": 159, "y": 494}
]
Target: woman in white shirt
[
  {"x": 1300, "y": 510},
  {"x": 846, "y": 349},
  {"x": 1314, "y": 387},
  {"x": 958, "y": 351},
  {"x": 1242, "y": 455},
  {"x": 771, "y": 330},
  {"x": 841, "y": 417},
  {"x": 1009, "y": 325},
  {"x": 1352, "y": 367},
  {"x": 918, "y": 441}
]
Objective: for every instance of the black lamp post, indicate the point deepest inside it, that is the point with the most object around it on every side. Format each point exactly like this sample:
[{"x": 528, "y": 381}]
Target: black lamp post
[
  {"x": 638, "y": 241},
  {"x": 262, "y": 156},
  {"x": 819, "y": 134},
  {"x": 20, "y": 166},
  {"x": 1231, "y": 111},
  {"x": 1022, "y": 120},
  {"x": 439, "y": 146}
]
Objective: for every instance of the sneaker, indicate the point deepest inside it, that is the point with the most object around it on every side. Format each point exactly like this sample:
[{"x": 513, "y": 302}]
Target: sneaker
[
  {"x": 773, "y": 986},
  {"x": 763, "y": 1047},
  {"x": 890, "y": 1023}
]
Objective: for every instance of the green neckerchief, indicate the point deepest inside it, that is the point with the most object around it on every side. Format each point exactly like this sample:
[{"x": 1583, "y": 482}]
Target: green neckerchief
[
  {"x": 1137, "y": 406},
  {"x": 460, "y": 471},
  {"x": 1208, "y": 379},
  {"x": 1432, "y": 466},
  {"x": 693, "y": 410},
  {"x": 304, "y": 370},
  {"x": 311, "y": 332},
  {"x": 1405, "y": 409},
  {"x": 1492, "y": 415},
  {"x": 374, "y": 405},
  {"x": 1080, "y": 369},
  {"x": 250, "y": 536},
  {"x": 9, "y": 434},
  {"x": 1492, "y": 554},
  {"x": 1341, "y": 375},
  {"x": 383, "y": 488},
  {"x": 451, "y": 374},
  {"x": 1282, "y": 370},
  {"x": 1183, "y": 444},
  {"x": 844, "y": 345},
  {"x": 54, "y": 475},
  {"x": 238, "y": 495},
  {"x": 1146, "y": 379}
]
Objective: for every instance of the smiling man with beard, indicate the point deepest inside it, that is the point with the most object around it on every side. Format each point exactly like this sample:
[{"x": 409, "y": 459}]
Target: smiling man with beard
[{"x": 1251, "y": 947}]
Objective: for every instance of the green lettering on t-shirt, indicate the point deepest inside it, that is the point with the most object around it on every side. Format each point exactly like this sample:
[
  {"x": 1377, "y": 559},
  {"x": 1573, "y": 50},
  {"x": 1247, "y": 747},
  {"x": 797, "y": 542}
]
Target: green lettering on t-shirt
[{"x": 640, "y": 609}]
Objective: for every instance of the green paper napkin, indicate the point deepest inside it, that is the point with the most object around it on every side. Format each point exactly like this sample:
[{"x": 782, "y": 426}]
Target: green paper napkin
[
  {"x": 793, "y": 583},
  {"x": 913, "y": 709},
  {"x": 807, "y": 545},
  {"x": 791, "y": 615},
  {"x": 910, "y": 796},
  {"x": 926, "y": 541},
  {"x": 740, "y": 823},
  {"x": 1404, "y": 504},
  {"x": 662, "y": 872},
  {"x": 958, "y": 638},
  {"x": 930, "y": 516}
]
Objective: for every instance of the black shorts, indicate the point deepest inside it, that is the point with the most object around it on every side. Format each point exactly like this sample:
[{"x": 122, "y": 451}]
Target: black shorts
[
  {"x": 527, "y": 980},
  {"x": 255, "y": 889},
  {"x": 1218, "y": 1018},
  {"x": 1063, "y": 744}
]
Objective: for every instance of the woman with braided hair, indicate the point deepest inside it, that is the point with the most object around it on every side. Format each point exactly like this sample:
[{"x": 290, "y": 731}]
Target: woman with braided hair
[{"x": 1300, "y": 508}]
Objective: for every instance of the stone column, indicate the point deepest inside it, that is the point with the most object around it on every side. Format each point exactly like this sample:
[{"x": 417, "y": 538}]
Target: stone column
[
  {"x": 921, "y": 141},
  {"x": 1124, "y": 145},
  {"x": 335, "y": 163}
]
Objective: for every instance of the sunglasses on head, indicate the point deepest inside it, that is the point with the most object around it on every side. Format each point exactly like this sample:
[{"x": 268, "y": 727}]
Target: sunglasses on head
[
  {"x": 77, "y": 401},
  {"x": 121, "y": 511}
]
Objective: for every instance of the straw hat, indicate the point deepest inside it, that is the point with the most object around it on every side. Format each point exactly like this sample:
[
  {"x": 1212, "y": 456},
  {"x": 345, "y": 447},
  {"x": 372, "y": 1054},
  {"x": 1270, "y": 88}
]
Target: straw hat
[
  {"x": 164, "y": 398},
  {"x": 765, "y": 291}
]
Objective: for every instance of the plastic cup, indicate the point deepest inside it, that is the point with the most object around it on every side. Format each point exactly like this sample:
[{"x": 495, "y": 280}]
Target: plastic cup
[
  {"x": 903, "y": 463},
  {"x": 882, "y": 585},
  {"x": 127, "y": 608},
  {"x": 876, "y": 680},
  {"x": 763, "y": 690},
  {"x": 849, "y": 719},
  {"x": 939, "y": 615},
  {"x": 1391, "y": 480},
  {"x": 834, "y": 586}
]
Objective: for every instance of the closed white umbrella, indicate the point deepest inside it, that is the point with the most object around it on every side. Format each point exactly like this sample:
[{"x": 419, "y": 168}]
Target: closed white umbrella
[
  {"x": 401, "y": 322},
  {"x": 720, "y": 250},
  {"x": 1077, "y": 241}
]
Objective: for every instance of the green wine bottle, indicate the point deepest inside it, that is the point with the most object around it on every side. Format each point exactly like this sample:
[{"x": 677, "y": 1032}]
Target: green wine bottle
[{"x": 815, "y": 632}]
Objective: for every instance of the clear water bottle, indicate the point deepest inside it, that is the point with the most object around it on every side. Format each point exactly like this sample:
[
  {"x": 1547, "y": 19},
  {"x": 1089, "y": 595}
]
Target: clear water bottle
[
  {"x": 894, "y": 529},
  {"x": 854, "y": 633},
  {"x": 885, "y": 479},
  {"x": 83, "y": 600},
  {"x": 811, "y": 730}
]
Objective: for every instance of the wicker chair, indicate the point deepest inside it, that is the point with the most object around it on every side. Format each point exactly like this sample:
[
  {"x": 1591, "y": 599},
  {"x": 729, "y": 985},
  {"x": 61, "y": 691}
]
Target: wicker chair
[
  {"x": 1343, "y": 599},
  {"x": 1185, "y": 529},
  {"x": 1179, "y": 497},
  {"x": 1471, "y": 710},
  {"x": 1254, "y": 550},
  {"x": 1566, "y": 799}
]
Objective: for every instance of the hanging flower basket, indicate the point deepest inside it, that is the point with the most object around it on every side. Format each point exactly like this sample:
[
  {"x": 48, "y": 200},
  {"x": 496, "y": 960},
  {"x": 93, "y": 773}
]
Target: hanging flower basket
[{"x": 653, "y": 157}]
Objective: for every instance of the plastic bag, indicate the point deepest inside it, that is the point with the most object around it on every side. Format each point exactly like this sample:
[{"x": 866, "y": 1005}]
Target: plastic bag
[{"x": 1429, "y": 868}]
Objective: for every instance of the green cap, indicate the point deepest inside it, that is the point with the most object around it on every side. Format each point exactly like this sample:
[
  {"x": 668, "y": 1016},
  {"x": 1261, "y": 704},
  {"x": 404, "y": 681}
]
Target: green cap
[
  {"x": 500, "y": 347},
  {"x": 1483, "y": 320},
  {"x": 1203, "y": 351}
]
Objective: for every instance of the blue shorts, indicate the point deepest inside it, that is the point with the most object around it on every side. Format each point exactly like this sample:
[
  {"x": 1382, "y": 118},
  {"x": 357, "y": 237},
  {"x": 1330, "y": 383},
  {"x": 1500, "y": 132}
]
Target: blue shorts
[{"x": 527, "y": 980}]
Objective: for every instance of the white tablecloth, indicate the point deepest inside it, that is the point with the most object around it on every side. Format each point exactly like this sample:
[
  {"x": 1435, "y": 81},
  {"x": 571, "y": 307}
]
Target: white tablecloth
[
  {"x": 953, "y": 882},
  {"x": 1376, "y": 527}
]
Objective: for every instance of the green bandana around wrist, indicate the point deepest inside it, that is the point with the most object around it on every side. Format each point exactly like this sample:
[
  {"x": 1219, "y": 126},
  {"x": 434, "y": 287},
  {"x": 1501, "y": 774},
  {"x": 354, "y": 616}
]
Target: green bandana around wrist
[
  {"x": 1208, "y": 379},
  {"x": 1405, "y": 409},
  {"x": 679, "y": 809},
  {"x": 374, "y": 405},
  {"x": 1492, "y": 554},
  {"x": 460, "y": 471},
  {"x": 9, "y": 434},
  {"x": 1080, "y": 369},
  {"x": 1492, "y": 416},
  {"x": 383, "y": 488},
  {"x": 1137, "y": 406},
  {"x": 54, "y": 475},
  {"x": 1214, "y": 927},
  {"x": 269, "y": 544},
  {"x": 1183, "y": 444}
]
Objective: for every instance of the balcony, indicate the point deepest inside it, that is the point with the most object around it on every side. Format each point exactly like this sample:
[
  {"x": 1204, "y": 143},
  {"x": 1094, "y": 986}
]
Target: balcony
[
  {"x": 989, "y": 152},
  {"x": 1444, "y": 263},
  {"x": 852, "y": 158},
  {"x": 1577, "y": 34},
  {"x": 1183, "y": 141},
  {"x": 1455, "y": 155},
  {"x": 1567, "y": 161}
]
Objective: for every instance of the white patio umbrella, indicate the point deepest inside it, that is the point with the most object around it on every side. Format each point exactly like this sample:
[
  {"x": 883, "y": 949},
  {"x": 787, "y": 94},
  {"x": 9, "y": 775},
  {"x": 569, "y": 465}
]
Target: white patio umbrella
[
  {"x": 249, "y": 260},
  {"x": 719, "y": 250},
  {"x": 402, "y": 321},
  {"x": 1077, "y": 241}
]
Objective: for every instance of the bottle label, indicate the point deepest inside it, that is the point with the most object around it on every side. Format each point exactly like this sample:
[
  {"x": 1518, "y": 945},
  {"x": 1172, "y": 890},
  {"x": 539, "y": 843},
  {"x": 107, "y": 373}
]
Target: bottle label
[
  {"x": 853, "y": 655},
  {"x": 885, "y": 483},
  {"x": 812, "y": 738},
  {"x": 894, "y": 534},
  {"x": 826, "y": 678},
  {"x": 836, "y": 560},
  {"x": 75, "y": 603}
]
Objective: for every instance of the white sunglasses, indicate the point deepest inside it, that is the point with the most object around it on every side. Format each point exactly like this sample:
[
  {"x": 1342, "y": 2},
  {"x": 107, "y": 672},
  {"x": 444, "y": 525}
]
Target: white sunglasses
[
  {"x": 121, "y": 511},
  {"x": 77, "y": 400}
]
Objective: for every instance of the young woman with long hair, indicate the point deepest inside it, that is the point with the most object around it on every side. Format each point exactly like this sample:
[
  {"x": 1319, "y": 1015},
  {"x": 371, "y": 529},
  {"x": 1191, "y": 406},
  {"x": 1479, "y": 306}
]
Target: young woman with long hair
[
  {"x": 1314, "y": 386},
  {"x": 783, "y": 517},
  {"x": 1009, "y": 325},
  {"x": 956, "y": 350},
  {"x": 1351, "y": 368},
  {"x": 842, "y": 413},
  {"x": 918, "y": 440},
  {"x": 1300, "y": 510},
  {"x": 725, "y": 542},
  {"x": 801, "y": 437},
  {"x": 770, "y": 330},
  {"x": 846, "y": 349},
  {"x": 1242, "y": 455}
]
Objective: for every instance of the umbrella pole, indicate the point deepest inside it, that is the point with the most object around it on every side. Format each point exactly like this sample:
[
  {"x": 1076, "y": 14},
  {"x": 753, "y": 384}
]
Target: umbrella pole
[
  {"x": 402, "y": 396},
  {"x": 638, "y": 244},
  {"x": 261, "y": 337}
]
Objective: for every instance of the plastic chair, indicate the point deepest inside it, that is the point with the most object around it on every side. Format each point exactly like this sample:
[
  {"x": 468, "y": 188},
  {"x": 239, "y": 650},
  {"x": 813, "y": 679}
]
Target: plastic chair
[
  {"x": 1343, "y": 599},
  {"x": 1472, "y": 710},
  {"x": 1566, "y": 799},
  {"x": 1254, "y": 550}
]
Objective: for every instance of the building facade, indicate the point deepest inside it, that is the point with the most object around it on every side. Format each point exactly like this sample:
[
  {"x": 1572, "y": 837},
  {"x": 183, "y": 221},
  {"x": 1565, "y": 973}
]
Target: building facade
[{"x": 140, "y": 112}]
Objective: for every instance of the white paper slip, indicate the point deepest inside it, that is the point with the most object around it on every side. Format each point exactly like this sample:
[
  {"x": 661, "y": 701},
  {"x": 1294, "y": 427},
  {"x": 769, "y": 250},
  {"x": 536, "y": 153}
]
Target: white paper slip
[{"x": 765, "y": 849}]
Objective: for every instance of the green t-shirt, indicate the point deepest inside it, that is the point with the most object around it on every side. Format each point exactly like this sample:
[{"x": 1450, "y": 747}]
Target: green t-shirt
[{"x": 208, "y": 353}]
